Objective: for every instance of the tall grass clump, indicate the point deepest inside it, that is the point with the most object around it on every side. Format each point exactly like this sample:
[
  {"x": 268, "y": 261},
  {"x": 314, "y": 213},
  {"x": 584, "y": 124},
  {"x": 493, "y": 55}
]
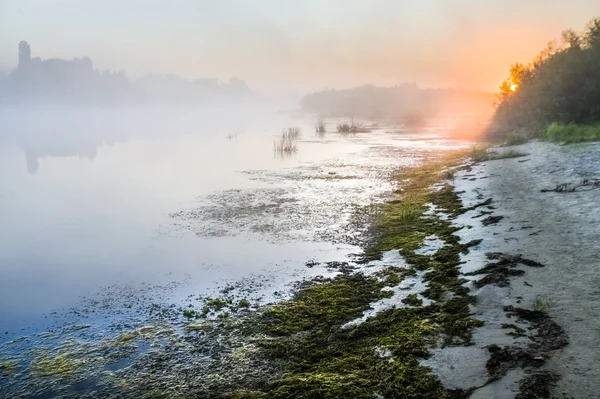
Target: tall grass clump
[
  {"x": 515, "y": 139},
  {"x": 293, "y": 132},
  {"x": 481, "y": 154},
  {"x": 572, "y": 133},
  {"x": 286, "y": 144},
  {"x": 320, "y": 127},
  {"x": 539, "y": 305},
  {"x": 351, "y": 127}
]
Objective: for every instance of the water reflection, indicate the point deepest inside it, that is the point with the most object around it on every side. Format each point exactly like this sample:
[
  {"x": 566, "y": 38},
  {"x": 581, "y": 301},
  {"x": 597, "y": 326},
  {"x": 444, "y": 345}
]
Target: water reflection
[
  {"x": 64, "y": 132},
  {"x": 125, "y": 197}
]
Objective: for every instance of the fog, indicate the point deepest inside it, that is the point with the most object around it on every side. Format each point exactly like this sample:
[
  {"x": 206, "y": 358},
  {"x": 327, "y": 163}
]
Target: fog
[{"x": 295, "y": 46}]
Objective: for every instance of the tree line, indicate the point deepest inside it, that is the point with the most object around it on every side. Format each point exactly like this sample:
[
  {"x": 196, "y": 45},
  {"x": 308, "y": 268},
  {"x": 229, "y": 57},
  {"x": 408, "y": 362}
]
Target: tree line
[{"x": 560, "y": 86}]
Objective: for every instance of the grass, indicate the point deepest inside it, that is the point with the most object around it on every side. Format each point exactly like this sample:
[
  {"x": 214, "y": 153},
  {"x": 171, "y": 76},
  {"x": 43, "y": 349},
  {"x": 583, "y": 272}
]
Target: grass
[
  {"x": 481, "y": 154},
  {"x": 515, "y": 139},
  {"x": 539, "y": 305},
  {"x": 286, "y": 145},
  {"x": 448, "y": 174},
  {"x": 572, "y": 133}
]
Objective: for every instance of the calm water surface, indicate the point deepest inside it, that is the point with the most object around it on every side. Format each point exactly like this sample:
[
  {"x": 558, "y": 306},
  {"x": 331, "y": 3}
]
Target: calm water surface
[{"x": 152, "y": 205}]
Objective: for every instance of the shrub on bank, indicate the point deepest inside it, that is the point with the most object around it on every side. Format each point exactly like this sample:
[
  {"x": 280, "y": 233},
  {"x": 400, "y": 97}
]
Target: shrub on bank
[{"x": 573, "y": 133}]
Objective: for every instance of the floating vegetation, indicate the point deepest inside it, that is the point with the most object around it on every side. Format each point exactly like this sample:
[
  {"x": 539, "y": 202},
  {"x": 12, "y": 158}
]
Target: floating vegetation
[
  {"x": 7, "y": 366},
  {"x": 47, "y": 365}
]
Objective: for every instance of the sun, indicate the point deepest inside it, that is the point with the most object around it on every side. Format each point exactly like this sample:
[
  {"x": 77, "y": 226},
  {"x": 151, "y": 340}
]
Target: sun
[{"x": 514, "y": 87}]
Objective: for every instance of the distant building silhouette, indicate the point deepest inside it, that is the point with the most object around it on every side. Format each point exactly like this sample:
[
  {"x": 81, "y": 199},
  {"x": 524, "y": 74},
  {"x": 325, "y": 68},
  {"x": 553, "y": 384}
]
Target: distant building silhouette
[
  {"x": 24, "y": 54},
  {"x": 77, "y": 82}
]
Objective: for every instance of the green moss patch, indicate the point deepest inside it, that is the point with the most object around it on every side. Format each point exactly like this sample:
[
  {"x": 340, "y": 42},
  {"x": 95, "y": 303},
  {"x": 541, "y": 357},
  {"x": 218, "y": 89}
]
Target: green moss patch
[{"x": 321, "y": 356}]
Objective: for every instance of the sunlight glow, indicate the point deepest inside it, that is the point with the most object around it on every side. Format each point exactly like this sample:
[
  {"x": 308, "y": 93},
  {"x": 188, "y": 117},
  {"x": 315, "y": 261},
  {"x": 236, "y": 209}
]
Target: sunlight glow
[{"x": 514, "y": 87}]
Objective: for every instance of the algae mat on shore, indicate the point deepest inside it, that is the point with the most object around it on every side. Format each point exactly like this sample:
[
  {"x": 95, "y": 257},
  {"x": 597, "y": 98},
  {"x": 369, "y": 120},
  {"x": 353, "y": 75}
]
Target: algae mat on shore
[
  {"x": 318, "y": 345},
  {"x": 326, "y": 341}
]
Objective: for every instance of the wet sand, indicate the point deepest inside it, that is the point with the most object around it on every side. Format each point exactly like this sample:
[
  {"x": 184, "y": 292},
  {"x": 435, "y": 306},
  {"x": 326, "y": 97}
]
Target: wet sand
[{"x": 561, "y": 231}]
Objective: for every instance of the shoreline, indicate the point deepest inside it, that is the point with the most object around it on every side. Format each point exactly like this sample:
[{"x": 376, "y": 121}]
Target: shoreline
[
  {"x": 441, "y": 305},
  {"x": 558, "y": 230}
]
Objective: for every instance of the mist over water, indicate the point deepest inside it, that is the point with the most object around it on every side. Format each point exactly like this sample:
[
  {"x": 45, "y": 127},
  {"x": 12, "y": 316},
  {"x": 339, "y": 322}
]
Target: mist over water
[{"x": 92, "y": 198}]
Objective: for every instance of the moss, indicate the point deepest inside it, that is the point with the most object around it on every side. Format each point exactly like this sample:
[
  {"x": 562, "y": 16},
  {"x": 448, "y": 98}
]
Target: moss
[
  {"x": 324, "y": 305},
  {"x": 7, "y": 366},
  {"x": 321, "y": 356},
  {"x": 245, "y": 394},
  {"x": 218, "y": 303},
  {"x": 392, "y": 275},
  {"x": 412, "y": 300},
  {"x": 126, "y": 337},
  {"x": 243, "y": 303},
  {"x": 318, "y": 344}
]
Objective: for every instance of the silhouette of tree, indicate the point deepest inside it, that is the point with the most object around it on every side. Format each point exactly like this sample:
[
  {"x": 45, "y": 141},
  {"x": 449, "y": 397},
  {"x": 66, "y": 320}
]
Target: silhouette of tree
[{"x": 562, "y": 84}]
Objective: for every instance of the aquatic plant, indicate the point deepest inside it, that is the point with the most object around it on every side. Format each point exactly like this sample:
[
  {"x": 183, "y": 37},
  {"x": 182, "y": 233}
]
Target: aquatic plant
[
  {"x": 62, "y": 364},
  {"x": 351, "y": 127},
  {"x": 243, "y": 303},
  {"x": 320, "y": 127},
  {"x": 7, "y": 366},
  {"x": 286, "y": 145}
]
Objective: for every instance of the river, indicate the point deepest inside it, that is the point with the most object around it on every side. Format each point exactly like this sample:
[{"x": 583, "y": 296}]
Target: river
[{"x": 107, "y": 213}]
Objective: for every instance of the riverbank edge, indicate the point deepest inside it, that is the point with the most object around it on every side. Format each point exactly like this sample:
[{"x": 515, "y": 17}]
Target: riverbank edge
[
  {"x": 302, "y": 331},
  {"x": 308, "y": 346}
]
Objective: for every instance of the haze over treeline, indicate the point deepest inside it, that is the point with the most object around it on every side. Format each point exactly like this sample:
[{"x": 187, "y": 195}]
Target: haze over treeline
[
  {"x": 300, "y": 46},
  {"x": 75, "y": 81},
  {"x": 401, "y": 101}
]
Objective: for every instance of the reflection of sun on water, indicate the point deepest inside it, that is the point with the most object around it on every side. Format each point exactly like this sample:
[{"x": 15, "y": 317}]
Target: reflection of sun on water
[{"x": 513, "y": 87}]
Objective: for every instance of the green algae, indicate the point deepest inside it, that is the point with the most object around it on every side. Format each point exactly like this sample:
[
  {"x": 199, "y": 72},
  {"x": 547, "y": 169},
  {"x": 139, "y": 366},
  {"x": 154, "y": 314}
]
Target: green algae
[
  {"x": 221, "y": 307},
  {"x": 412, "y": 300},
  {"x": 311, "y": 345},
  {"x": 63, "y": 364},
  {"x": 7, "y": 366},
  {"x": 322, "y": 356},
  {"x": 324, "y": 305}
]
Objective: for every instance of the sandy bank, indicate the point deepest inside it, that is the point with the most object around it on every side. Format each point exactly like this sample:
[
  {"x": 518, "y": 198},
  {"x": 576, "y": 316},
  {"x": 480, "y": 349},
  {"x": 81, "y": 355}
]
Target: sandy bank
[{"x": 560, "y": 230}]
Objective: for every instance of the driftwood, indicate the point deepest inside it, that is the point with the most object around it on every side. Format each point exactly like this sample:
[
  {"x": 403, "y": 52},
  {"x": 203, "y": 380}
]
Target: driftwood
[{"x": 584, "y": 185}]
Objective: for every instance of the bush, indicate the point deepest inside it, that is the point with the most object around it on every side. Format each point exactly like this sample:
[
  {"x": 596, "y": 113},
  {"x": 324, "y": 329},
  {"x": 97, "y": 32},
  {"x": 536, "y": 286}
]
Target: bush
[{"x": 573, "y": 133}]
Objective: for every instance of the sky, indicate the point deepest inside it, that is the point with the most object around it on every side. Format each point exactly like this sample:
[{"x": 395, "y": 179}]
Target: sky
[{"x": 307, "y": 45}]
